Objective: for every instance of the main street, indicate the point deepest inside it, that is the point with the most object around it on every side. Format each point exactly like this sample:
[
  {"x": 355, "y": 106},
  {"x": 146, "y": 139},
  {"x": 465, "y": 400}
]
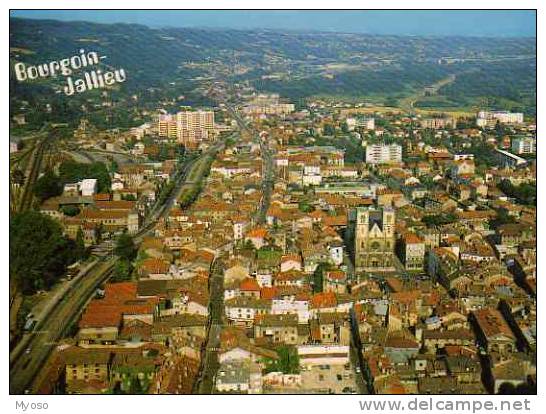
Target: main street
[
  {"x": 268, "y": 170},
  {"x": 210, "y": 364}
]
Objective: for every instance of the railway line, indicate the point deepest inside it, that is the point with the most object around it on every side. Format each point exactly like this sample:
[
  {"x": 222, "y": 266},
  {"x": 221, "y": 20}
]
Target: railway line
[
  {"x": 32, "y": 174},
  {"x": 46, "y": 336},
  {"x": 67, "y": 310}
]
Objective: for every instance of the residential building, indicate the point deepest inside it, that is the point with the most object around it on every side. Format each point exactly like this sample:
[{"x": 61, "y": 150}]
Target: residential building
[
  {"x": 383, "y": 154},
  {"x": 524, "y": 145}
]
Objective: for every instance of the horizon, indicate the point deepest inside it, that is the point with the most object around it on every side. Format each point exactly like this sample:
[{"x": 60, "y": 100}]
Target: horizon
[{"x": 426, "y": 23}]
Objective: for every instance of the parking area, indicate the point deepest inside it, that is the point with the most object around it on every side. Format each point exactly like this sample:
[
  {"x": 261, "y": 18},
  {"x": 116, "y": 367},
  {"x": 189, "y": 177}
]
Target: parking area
[{"x": 329, "y": 379}]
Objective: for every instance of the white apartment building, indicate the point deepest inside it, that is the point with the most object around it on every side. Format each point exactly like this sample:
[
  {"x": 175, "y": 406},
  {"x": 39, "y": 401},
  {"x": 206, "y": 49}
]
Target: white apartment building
[
  {"x": 195, "y": 120},
  {"x": 366, "y": 123},
  {"x": 383, "y": 154},
  {"x": 524, "y": 145},
  {"x": 490, "y": 118}
]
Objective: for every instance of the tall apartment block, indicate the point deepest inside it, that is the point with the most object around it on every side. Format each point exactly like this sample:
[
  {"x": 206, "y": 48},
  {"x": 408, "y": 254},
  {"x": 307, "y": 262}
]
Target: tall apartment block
[
  {"x": 187, "y": 127},
  {"x": 383, "y": 154}
]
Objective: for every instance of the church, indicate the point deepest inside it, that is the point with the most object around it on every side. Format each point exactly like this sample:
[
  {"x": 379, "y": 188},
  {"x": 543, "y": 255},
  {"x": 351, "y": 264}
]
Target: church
[{"x": 374, "y": 239}]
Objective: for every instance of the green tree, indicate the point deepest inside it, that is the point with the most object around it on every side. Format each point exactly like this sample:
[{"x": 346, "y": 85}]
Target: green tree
[
  {"x": 125, "y": 247},
  {"x": 114, "y": 166},
  {"x": 329, "y": 130},
  {"x": 80, "y": 249},
  {"x": 47, "y": 186},
  {"x": 136, "y": 386},
  {"x": 122, "y": 271},
  {"x": 523, "y": 193},
  {"x": 439, "y": 219},
  {"x": 39, "y": 252},
  {"x": 129, "y": 197},
  {"x": 72, "y": 171},
  {"x": 305, "y": 207},
  {"x": 70, "y": 210},
  {"x": 288, "y": 362},
  {"x": 318, "y": 277}
]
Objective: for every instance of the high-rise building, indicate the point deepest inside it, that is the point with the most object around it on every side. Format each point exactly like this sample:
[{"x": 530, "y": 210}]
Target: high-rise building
[
  {"x": 195, "y": 120},
  {"x": 187, "y": 127},
  {"x": 383, "y": 154},
  {"x": 166, "y": 126},
  {"x": 374, "y": 239}
]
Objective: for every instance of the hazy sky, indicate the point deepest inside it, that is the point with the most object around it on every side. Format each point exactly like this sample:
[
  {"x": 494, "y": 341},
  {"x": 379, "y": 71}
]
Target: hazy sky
[{"x": 399, "y": 22}]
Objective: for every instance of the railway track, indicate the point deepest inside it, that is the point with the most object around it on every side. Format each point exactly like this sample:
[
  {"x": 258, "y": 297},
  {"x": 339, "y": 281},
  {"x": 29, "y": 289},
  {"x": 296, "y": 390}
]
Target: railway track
[
  {"x": 26, "y": 366},
  {"x": 36, "y": 161},
  {"x": 51, "y": 329}
]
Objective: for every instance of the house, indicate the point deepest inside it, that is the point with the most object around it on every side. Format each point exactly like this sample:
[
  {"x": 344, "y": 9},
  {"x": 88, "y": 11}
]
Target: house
[
  {"x": 250, "y": 288},
  {"x": 336, "y": 249},
  {"x": 154, "y": 268},
  {"x": 292, "y": 301},
  {"x": 413, "y": 252},
  {"x": 277, "y": 329},
  {"x": 493, "y": 332},
  {"x": 330, "y": 328},
  {"x": 133, "y": 370},
  {"x": 235, "y": 346},
  {"x": 188, "y": 301},
  {"x": 103, "y": 319},
  {"x": 515, "y": 371},
  {"x": 14, "y": 144},
  {"x": 290, "y": 278},
  {"x": 291, "y": 262},
  {"x": 257, "y": 237},
  {"x": 239, "y": 377},
  {"x": 335, "y": 281},
  {"x": 323, "y": 302},
  {"x": 401, "y": 349},
  {"x": 86, "y": 370},
  {"x": 438, "y": 339},
  {"x": 514, "y": 233},
  {"x": 242, "y": 310}
]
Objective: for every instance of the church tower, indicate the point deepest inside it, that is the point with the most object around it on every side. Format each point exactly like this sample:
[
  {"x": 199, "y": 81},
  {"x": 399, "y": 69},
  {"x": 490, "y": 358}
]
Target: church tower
[{"x": 374, "y": 239}]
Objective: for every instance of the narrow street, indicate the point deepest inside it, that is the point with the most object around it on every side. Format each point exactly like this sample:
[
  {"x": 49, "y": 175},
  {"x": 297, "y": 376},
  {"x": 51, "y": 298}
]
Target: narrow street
[
  {"x": 268, "y": 172},
  {"x": 210, "y": 363}
]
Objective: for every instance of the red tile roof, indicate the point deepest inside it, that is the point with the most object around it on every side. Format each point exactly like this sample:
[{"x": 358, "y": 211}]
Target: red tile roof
[
  {"x": 249, "y": 285},
  {"x": 324, "y": 300}
]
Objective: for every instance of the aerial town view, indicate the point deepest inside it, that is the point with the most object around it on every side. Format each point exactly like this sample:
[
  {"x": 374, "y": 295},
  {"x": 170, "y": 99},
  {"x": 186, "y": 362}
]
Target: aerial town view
[{"x": 231, "y": 206}]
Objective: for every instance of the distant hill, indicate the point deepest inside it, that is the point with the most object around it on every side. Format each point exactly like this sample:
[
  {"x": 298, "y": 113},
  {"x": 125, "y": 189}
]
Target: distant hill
[{"x": 163, "y": 64}]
